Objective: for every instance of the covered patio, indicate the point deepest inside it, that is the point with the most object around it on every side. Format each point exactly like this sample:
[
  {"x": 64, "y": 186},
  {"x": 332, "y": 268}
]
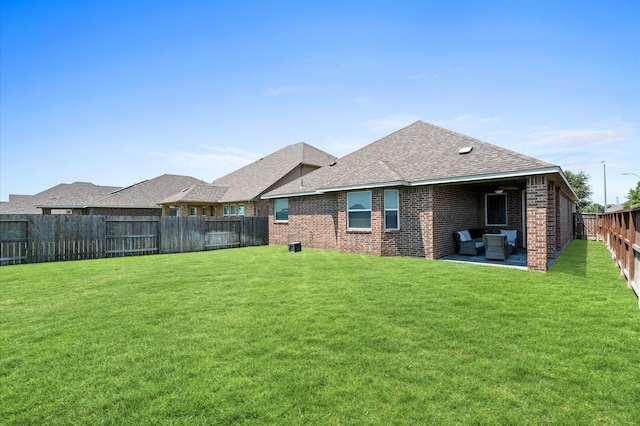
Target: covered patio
[
  {"x": 534, "y": 207},
  {"x": 516, "y": 260}
]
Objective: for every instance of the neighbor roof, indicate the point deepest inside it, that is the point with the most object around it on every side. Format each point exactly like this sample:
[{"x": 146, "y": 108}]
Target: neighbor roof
[
  {"x": 418, "y": 154},
  {"x": 142, "y": 195},
  {"x": 149, "y": 193},
  {"x": 198, "y": 193},
  {"x": 254, "y": 179},
  {"x": 69, "y": 194}
]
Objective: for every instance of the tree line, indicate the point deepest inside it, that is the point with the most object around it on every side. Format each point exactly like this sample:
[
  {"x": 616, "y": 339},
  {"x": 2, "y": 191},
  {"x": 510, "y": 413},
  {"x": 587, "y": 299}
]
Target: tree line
[{"x": 580, "y": 183}]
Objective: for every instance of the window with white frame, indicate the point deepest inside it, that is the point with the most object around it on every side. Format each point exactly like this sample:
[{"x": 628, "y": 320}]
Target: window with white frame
[
  {"x": 496, "y": 209},
  {"x": 391, "y": 210},
  {"x": 225, "y": 210},
  {"x": 232, "y": 211},
  {"x": 193, "y": 211},
  {"x": 281, "y": 210},
  {"x": 240, "y": 209},
  {"x": 204, "y": 211},
  {"x": 359, "y": 210}
]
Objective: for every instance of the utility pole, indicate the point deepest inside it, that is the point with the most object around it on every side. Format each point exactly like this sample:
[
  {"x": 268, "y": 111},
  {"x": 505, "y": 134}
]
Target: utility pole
[{"x": 604, "y": 167}]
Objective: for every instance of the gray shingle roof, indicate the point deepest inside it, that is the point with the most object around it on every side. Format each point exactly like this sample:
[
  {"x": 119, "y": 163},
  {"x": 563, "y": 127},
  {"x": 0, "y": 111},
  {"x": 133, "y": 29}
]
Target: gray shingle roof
[
  {"x": 206, "y": 193},
  {"x": 254, "y": 179},
  {"x": 67, "y": 195},
  {"x": 416, "y": 153},
  {"x": 147, "y": 194}
]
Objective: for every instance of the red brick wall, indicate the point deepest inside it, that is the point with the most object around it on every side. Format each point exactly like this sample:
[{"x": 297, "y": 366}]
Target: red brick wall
[
  {"x": 565, "y": 216},
  {"x": 415, "y": 237},
  {"x": 320, "y": 221},
  {"x": 537, "y": 200},
  {"x": 365, "y": 242},
  {"x": 455, "y": 208},
  {"x": 551, "y": 221},
  {"x": 312, "y": 221}
]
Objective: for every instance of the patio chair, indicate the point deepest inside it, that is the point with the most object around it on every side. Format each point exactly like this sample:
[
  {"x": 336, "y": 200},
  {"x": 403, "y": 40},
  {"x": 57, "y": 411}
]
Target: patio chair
[
  {"x": 495, "y": 246},
  {"x": 512, "y": 236},
  {"x": 468, "y": 245}
]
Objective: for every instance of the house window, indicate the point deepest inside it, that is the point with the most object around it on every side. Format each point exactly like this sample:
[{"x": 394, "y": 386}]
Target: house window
[
  {"x": 173, "y": 211},
  {"x": 391, "y": 210},
  {"x": 496, "y": 209},
  {"x": 225, "y": 210},
  {"x": 193, "y": 211},
  {"x": 240, "y": 209},
  {"x": 281, "y": 210},
  {"x": 204, "y": 211},
  {"x": 233, "y": 210},
  {"x": 359, "y": 210}
]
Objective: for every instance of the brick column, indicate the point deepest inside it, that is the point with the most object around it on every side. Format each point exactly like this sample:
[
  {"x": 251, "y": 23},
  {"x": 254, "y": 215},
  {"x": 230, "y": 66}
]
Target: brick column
[
  {"x": 559, "y": 223},
  {"x": 426, "y": 221},
  {"x": 341, "y": 202},
  {"x": 537, "y": 201},
  {"x": 551, "y": 221}
]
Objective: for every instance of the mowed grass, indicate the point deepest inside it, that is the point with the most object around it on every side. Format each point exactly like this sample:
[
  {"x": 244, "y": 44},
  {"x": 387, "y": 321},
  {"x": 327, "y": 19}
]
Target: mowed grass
[{"x": 263, "y": 336}]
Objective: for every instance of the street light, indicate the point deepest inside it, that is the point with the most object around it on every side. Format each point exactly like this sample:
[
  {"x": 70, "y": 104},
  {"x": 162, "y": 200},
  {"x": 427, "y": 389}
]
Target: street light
[
  {"x": 604, "y": 166},
  {"x": 638, "y": 176}
]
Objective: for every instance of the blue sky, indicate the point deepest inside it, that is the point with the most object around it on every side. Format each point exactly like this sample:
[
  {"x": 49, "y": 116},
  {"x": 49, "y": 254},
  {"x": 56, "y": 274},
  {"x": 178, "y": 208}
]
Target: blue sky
[{"x": 116, "y": 92}]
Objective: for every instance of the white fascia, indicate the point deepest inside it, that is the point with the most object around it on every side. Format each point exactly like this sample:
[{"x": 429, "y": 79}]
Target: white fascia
[
  {"x": 491, "y": 176},
  {"x": 364, "y": 186},
  {"x": 290, "y": 194}
]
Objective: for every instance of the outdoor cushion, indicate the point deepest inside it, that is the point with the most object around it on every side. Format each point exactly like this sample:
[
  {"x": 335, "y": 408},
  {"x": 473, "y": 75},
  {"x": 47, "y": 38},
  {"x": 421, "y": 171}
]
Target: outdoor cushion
[
  {"x": 511, "y": 234},
  {"x": 464, "y": 236},
  {"x": 466, "y": 244}
]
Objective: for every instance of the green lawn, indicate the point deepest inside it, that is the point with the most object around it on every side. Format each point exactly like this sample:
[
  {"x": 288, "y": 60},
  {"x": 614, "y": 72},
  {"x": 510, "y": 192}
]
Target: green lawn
[{"x": 263, "y": 336}]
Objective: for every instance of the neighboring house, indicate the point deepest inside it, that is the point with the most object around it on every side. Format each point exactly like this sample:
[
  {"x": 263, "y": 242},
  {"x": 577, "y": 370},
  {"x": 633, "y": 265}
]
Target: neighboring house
[
  {"x": 239, "y": 192},
  {"x": 406, "y": 194},
  {"x": 18, "y": 197},
  {"x": 64, "y": 195},
  {"x": 140, "y": 199}
]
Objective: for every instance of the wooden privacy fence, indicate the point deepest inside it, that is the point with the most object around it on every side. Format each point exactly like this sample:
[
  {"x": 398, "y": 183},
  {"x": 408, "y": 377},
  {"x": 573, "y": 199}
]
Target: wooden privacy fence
[
  {"x": 620, "y": 233},
  {"x": 586, "y": 226},
  {"x": 50, "y": 238}
]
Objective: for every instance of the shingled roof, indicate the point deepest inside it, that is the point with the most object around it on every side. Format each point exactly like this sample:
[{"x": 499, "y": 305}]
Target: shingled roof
[
  {"x": 420, "y": 153},
  {"x": 67, "y": 194},
  {"x": 149, "y": 193},
  {"x": 198, "y": 193},
  {"x": 252, "y": 180}
]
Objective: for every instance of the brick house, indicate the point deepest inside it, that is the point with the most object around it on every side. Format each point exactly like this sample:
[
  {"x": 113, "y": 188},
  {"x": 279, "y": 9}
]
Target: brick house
[
  {"x": 60, "y": 199},
  {"x": 405, "y": 195},
  {"x": 238, "y": 193}
]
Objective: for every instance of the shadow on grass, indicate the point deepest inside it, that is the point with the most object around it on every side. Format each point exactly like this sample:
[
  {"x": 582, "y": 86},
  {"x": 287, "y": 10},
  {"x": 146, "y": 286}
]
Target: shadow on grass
[{"x": 573, "y": 259}]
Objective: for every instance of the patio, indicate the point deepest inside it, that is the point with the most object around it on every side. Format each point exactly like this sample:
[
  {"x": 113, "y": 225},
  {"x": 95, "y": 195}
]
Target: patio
[{"x": 517, "y": 260}]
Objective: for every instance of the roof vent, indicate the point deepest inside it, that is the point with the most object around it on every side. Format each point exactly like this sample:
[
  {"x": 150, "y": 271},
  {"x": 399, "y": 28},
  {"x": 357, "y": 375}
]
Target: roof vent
[
  {"x": 332, "y": 164},
  {"x": 465, "y": 150}
]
